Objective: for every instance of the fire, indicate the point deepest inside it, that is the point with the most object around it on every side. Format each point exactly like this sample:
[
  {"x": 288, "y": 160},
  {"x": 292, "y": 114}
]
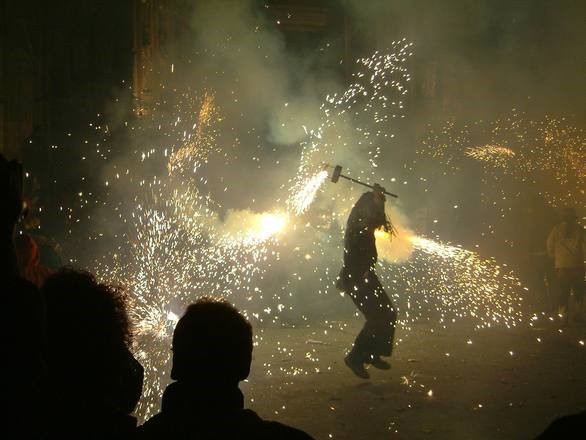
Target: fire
[
  {"x": 270, "y": 224},
  {"x": 394, "y": 248},
  {"x": 381, "y": 234}
]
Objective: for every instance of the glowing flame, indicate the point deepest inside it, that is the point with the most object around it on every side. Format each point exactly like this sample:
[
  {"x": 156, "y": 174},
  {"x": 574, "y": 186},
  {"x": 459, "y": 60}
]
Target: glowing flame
[
  {"x": 271, "y": 224},
  {"x": 440, "y": 249},
  {"x": 381, "y": 234},
  {"x": 394, "y": 248}
]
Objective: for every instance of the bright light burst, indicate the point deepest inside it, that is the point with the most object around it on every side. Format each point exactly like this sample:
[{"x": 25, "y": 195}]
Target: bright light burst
[
  {"x": 374, "y": 98},
  {"x": 254, "y": 229},
  {"x": 271, "y": 224}
]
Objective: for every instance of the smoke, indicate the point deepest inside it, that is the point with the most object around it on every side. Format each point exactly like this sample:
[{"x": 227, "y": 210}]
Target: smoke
[
  {"x": 243, "y": 56},
  {"x": 513, "y": 55},
  {"x": 270, "y": 99},
  {"x": 216, "y": 221},
  {"x": 481, "y": 57}
]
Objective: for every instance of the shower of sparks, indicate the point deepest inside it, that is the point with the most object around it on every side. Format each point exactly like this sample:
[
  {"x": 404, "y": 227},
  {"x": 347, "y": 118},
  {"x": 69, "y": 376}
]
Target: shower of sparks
[
  {"x": 303, "y": 197},
  {"x": 174, "y": 245},
  {"x": 477, "y": 288},
  {"x": 449, "y": 280},
  {"x": 497, "y": 155},
  {"x": 547, "y": 155},
  {"x": 178, "y": 246},
  {"x": 197, "y": 145},
  {"x": 374, "y": 98}
]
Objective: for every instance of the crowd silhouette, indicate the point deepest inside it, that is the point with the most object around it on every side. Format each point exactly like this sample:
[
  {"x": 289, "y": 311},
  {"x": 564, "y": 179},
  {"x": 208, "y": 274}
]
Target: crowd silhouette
[
  {"x": 68, "y": 368},
  {"x": 93, "y": 379}
]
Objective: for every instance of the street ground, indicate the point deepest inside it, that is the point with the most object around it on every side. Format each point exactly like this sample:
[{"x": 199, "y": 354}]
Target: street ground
[{"x": 450, "y": 384}]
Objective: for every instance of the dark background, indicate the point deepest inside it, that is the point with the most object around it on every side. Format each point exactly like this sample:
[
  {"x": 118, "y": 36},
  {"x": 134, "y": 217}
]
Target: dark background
[{"x": 63, "y": 61}]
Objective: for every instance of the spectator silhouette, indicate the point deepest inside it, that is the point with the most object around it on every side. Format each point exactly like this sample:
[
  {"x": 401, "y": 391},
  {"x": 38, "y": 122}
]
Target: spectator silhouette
[
  {"x": 22, "y": 323},
  {"x": 11, "y": 198},
  {"x": 567, "y": 427},
  {"x": 94, "y": 380},
  {"x": 212, "y": 352}
]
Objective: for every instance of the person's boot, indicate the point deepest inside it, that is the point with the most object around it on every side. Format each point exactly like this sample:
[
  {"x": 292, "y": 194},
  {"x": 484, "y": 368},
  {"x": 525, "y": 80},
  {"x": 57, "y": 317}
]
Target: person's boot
[
  {"x": 356, "y": 366},
  {"x": 379, "y": 363}
]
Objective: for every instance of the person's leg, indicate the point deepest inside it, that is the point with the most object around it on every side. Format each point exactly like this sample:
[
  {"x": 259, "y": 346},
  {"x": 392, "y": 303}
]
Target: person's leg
[
  {"x": 578, "y": 288},
  {"x": 360, "y": 353},
  {"x": 564, "y": 286},
  {"x": 362, "y": 344},
  {"x": 551, "y": 288},
  {"x": 377, "y": 335},
  {"x": 383, "y": 317}
]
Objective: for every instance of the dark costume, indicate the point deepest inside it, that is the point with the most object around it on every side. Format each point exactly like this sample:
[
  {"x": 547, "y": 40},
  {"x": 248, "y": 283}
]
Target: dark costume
[{"x": 358, "y": 279}]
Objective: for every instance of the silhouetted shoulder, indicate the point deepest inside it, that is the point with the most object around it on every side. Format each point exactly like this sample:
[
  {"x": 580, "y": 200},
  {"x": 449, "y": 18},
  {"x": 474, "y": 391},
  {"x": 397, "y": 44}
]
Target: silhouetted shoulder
[
  {"x": 20, "y": 290},
  {"x": 567, "y": 427},
  {"x": 242, "y": 424},
  {"x": 263, "y": 429},
  {"x": 23, "y": 368},
  {"x": 25, "y": 322},
  {"x": 280, "y": 431},
  {"x": 152, "y": 428}
]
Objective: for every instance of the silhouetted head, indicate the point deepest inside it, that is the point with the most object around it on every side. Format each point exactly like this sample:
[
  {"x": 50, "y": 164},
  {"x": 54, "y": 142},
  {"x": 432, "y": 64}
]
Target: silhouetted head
[
  {"x": 379, "y": 192},
  {"x": 368, "y": 213},
  {"x": 212, "y": 341},
  {"x": 88, "y": 330}
]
